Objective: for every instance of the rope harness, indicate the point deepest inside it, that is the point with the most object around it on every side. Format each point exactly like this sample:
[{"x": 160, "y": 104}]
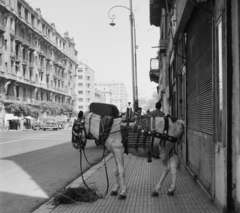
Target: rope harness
[{"x": 138, "y": 136}]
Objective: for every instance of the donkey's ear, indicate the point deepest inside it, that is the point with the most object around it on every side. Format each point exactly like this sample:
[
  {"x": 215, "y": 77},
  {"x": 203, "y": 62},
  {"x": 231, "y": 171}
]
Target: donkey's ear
[{"x": 80, "y": 114}]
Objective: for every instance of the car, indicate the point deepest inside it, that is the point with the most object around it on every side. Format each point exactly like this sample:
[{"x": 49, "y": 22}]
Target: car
[
  {"x": 50, "y": 125},
  {"x": 37, "y": 126}
]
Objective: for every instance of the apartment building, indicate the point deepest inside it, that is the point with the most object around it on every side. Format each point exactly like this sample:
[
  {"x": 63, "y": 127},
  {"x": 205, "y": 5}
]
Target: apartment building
[
  {"x": 36, "y": 62},
  {"x": 99, "y": 96},
  {"x": 85, "y": 87},
  {"x": 116, "y": 93}
]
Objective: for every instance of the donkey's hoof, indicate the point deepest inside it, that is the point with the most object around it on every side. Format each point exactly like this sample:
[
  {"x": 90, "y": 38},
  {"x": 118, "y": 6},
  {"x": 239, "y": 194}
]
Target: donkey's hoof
[
  {"x": 149, "y": 160},
  {"x": 114, "y": 193},
  {"x": 122, "y": 197},
  {"x": 171, "y": 193},
  {"x": 154, "y": 194}
]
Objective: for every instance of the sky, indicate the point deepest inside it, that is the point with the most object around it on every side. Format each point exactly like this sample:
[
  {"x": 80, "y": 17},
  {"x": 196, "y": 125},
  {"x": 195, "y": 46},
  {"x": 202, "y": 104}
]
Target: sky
[{"x": 107, "y": 49}]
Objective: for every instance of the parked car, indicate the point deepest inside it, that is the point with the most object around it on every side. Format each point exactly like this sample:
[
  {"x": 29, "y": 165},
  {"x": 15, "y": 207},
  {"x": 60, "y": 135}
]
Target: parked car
[
  {"x": 50, "y": 125},
  {"x": 37, "y": 126}
]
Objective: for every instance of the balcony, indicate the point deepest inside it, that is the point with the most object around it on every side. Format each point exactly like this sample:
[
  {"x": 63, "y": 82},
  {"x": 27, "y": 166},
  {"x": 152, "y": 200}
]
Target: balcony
[
  {"x": 12, "y": 32},
  {"x": 18, "y": 39},
  {"x": 41, "y": 69},
  {"x": 12, "y": 55},
  {"x": 32, "y": 81},
  {"x": 2, "y": 28},
  {"x": 17, "y": 59},
  {"x": 41, "y": 53},
  {"x": 10, "y": 98},
  {"x": 163, "y": 45},
  {"x": 31, "y": 46},
  {"x": 48, "y": 57},
  {"x": 24, "y": 62},
  {"x": 30, "y": 64},
  {"x": 25, "y": 43},
  {"x": 47, "y": 72},
  {"x": 2, "y": 73},
  {"x": 154, "y": 70}
]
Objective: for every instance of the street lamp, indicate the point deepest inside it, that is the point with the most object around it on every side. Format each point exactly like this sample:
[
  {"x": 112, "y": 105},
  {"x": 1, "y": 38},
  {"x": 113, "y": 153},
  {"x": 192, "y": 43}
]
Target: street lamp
[{"x": 133, "y": 50}]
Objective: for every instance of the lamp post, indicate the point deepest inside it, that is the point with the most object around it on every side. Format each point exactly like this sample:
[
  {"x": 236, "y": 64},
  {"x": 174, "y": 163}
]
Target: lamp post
[{"x": 133, "y": 49}]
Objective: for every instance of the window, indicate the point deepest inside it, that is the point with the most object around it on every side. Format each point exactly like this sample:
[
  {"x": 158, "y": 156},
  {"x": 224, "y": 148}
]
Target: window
[
  {"x": 80, "y": 84},
  {"x": 80, "y": 100},
  {"x": 26, "y": 15},
  {"x": 80, "y": 107},
  {"x": 32, "y": 20},
  {"x": 80, "y": 92},
  {"x": 19, "y": 9},
  {"x": 80, "y": 77}
]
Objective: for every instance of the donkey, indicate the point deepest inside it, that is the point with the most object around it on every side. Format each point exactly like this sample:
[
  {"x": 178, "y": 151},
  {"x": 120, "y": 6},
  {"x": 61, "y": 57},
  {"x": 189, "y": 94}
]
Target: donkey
[{"x": 114, "y": 142}]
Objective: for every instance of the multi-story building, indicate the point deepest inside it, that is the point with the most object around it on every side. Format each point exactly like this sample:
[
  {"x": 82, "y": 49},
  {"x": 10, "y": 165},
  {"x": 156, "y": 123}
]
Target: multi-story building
[
  {"x": 36, "y": 62},
  {"x": 115, "y": 93},
  {"x": 106, "y": 91},
  {"x": 198, "y": 80},
  {"x": 85, "y": 87},
  {"x": 100, "y": 96}
]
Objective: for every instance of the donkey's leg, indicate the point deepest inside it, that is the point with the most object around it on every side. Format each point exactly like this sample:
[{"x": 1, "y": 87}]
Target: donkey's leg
[
  {"x": 120, "y": 163},
  {"x": 173, "y": 166},
  {"x": 117, "y": 180},
  {"x": 166, "y": 169}
]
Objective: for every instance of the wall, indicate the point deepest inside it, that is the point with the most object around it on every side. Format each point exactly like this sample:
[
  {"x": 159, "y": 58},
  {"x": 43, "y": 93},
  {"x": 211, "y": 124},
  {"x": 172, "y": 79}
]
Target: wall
[{"x": 236, "y": 103}]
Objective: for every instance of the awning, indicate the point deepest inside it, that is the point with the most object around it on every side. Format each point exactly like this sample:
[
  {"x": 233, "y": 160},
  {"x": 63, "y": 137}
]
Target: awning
[
  {"x": 10, "y": 117},
  {"x": 29, "y": 117},
  {"x": 154, "y": 76}
]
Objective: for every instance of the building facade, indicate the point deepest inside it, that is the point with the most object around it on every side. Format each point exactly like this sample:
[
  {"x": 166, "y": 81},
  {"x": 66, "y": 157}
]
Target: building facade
[
  {"x": 36, "y": 62},
  {"x": 198, "y": 81},
  {"x": 100, "y": 96},
  {"x": 85, "y": 87},
  {"x": 115, "y": 94}
]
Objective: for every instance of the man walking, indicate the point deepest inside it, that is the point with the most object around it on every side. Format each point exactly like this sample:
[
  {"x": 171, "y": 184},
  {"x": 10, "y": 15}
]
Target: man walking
[{"x": 157, "y": 113}]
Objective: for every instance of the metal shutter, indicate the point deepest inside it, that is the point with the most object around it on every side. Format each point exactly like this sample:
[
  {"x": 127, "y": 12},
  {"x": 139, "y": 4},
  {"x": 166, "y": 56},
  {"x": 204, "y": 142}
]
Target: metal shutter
[{"x": 200, "y": 97}]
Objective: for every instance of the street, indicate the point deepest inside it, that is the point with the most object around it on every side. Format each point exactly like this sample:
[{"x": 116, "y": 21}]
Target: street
[{"x": 35, "y": 164}]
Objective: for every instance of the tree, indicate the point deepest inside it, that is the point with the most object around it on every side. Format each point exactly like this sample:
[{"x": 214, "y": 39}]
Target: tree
[{"x": 54, "y": 108}]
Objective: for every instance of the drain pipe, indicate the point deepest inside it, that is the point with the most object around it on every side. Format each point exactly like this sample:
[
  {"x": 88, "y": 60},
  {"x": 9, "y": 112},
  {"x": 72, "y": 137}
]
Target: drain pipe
[{"x": 230, "y": 203}]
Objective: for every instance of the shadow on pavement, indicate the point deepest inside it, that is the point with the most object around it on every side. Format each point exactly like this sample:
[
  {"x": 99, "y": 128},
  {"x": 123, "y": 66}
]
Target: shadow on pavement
[{"x": 51, "y": 169}]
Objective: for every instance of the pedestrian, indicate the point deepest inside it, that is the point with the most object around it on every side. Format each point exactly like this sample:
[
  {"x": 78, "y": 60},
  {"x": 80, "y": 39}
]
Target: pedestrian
[
  {"x": 139, "y": 111},
  {"x": 157, "y": 113}
]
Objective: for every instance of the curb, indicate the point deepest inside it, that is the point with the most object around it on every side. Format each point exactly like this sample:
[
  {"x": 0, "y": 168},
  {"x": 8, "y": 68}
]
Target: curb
[{"x": 48, "y": 207}]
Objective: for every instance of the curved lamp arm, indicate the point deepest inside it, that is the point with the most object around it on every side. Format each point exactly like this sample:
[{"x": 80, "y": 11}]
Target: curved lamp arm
[{"x": 112, "y": 17}]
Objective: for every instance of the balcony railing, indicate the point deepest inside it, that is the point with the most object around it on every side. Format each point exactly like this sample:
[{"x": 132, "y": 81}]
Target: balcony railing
[
  {"x": 26, "y": 43},
  {"x": 24, "y": 61},
  {"x": 10, "y": 97},
  {"x": 2, "y": 28},
  {"x": 41, "y": 69},
  {"x": 163, "y": 45},
  {"x": 30, "y": 64},
  {"x": 47, "y": 72},
  {"x": 18, "y": 38},
  {"x": 17, "y": 59}
]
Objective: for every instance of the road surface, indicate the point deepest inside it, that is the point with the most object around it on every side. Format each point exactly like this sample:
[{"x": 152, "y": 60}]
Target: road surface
[{"x": 35, "y": 164}]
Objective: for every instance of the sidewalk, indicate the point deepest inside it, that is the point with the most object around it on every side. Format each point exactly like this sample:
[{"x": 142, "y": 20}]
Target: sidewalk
[{"x": 141, "y": 178}]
